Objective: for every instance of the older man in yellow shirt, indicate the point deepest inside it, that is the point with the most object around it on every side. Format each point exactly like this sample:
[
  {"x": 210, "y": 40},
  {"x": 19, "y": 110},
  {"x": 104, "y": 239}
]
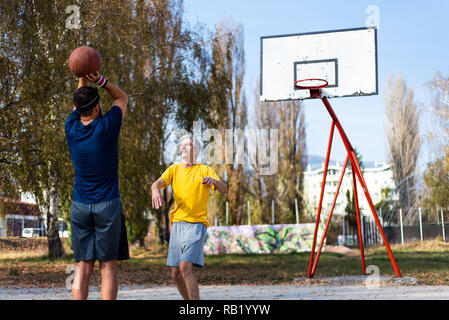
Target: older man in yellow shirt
[{"x": 191, "y": 183}]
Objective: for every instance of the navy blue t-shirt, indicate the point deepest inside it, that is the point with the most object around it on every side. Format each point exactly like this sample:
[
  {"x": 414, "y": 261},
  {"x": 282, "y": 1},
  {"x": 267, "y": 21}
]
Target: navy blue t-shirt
[{"x": 94, "y": 150}]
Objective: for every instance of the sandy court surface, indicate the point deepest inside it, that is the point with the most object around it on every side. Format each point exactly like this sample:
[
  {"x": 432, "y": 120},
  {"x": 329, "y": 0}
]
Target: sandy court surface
[{"x": 253, "y": 292}]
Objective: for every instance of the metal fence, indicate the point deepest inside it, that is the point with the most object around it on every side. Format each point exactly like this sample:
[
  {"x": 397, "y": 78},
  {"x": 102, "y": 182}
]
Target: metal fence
[
  {"x": 419, "y": 225},
  {"x": 414, "y": 233}
]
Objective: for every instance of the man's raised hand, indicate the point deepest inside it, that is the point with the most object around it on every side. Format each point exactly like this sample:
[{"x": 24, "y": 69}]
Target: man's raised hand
[{"x": 92, "y": 77}]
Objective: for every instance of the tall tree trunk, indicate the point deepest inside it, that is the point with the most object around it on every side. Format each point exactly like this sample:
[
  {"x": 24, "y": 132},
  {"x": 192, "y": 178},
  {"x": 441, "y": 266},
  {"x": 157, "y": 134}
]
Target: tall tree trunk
[
  {"x": 404, "y": 140},
  {"x": 55, "y": 248}
]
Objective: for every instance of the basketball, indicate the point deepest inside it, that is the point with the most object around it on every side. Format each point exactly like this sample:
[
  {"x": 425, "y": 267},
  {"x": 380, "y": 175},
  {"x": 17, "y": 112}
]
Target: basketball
[{"x": 84, "y": 60}]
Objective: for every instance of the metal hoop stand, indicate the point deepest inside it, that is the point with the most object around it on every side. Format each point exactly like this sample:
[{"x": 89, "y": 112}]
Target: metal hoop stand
[{"x": 315, "y": 92}]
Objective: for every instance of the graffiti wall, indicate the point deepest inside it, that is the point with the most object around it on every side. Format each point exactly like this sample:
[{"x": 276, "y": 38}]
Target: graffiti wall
[{"x": 261, "y": 238}]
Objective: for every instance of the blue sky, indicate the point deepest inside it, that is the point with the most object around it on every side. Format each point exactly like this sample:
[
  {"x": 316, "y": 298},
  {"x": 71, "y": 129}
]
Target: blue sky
[{"x": 412, "y": 41}]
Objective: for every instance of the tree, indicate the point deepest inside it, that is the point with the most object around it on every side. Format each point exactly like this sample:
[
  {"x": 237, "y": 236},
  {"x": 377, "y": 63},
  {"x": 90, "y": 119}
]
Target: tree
[
  {"x": 145, "y": 47},
  {"x": 436, "y": 175},
  {"x": 292, "y": 159},
  {"x": 403, "y": 138},
  {"x": 351, "y": 210},
  {"x": 264, "y": 187},
  {"x": 39, "y": 162},
  {"x": 228, "y": 109},
  {"x": 284, "y": 185},
  {"x": 387, "y": 206},
  {"x": 436, "y": 179},
  {"x": 177, "y": 91}
]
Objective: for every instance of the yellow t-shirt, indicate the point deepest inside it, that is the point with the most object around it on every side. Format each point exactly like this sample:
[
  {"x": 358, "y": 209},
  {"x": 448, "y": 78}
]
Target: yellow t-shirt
[{"x": 190, "y": 194}]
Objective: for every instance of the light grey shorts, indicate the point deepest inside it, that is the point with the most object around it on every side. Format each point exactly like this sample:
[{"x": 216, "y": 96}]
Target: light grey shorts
[{"x": 186, "y": 243}]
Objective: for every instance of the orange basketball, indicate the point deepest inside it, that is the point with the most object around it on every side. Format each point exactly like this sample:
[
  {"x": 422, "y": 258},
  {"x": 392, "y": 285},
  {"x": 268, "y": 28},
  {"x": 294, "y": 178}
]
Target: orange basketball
[{"x": 84, "y": 60}]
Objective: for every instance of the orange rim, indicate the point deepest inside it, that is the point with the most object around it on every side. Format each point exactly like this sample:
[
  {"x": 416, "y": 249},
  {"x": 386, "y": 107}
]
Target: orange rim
[{"x": 299, "y": 86}]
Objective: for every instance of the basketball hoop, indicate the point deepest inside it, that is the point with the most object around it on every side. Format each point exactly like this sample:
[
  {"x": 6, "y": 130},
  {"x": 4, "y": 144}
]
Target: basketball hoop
[
  {"x": 314, "y": 85},
  {"x": 311, "y": 84},
  {"x": 321, "y": 67}
]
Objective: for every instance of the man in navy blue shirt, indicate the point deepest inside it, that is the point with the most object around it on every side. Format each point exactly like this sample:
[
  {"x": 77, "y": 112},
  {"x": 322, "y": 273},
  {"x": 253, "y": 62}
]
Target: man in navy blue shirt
[{"x": 97, "y": 221}]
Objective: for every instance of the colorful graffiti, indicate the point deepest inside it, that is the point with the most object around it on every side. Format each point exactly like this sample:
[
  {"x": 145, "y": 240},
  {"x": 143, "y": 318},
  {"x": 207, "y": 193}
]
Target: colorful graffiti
[{"x": 261, "y": 238}]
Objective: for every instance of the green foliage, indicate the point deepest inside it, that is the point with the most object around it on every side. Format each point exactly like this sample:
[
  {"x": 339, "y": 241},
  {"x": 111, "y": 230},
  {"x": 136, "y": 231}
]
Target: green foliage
[
  {"x": 227, "y": 107},
  {"x": 173, "y": 75},
  {"x": 387, "y": 206},
  {"x": 146, "y": 49},
  {"x": 436, "y": 179},
  {"x": 35, "y": 101},
  {"x": 351, "y": 210},
  {"x": 350, "y": 207},
  {"x": 285, "y": 187},
  {"x": 68, "y": 242},
  {"x": 436, "y": 174},
  {"x": 359, "y": 160}
]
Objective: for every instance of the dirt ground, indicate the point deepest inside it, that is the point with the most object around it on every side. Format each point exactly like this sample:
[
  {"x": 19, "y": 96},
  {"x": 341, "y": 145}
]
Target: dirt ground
[{"x": 28, "y": 275}]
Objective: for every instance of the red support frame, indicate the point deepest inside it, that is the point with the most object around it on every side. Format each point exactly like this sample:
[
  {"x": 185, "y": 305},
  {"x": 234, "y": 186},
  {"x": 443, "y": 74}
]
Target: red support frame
[
  {"x": 356, "y": 172},
  {"x": 359, "y": 228},
  {"x": 329, "y": 217},
  {"x": 326, "y": 164}
]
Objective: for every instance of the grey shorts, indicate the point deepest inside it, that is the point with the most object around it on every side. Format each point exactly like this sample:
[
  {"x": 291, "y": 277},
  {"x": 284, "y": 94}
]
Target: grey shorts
[
  {"x": 186, "y": 243},
  {"x": 99, "y": 231}
]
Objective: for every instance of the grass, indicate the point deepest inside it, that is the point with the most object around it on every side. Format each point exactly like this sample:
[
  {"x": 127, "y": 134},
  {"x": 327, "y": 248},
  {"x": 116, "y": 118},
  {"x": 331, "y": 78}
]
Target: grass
[{"x": 427, "y": 262}]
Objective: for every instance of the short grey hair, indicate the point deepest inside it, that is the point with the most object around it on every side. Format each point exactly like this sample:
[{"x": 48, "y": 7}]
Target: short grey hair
[{"x": 196, "y": 143}]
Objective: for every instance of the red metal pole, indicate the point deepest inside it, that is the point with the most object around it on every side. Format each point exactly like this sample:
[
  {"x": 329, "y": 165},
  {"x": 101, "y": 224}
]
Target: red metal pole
[
  {"x": 330, "y": 216},
  {"x": 376, "y": 219},
  {"x": 362, "y": 253},
  {"x": 323, "y": 183},
  {"x": 362, "y": 181}
]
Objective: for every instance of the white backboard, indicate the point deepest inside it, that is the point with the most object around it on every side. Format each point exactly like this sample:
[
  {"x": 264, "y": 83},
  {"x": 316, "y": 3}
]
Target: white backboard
[{"x": 347, "y": 59}]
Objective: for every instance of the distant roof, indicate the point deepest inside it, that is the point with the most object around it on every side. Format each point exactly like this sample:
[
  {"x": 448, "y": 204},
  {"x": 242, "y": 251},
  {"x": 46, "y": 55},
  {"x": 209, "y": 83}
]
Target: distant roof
[{"x": 21, "y": 208}]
